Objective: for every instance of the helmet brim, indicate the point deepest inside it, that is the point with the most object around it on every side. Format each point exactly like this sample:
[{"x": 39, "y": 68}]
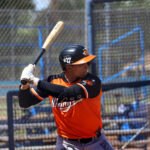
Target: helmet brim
[{"x": 84, "y": 60}]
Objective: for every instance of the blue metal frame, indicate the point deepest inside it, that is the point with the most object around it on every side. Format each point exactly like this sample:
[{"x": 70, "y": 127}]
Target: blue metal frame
[
  {"x": 89, "y": 24},
  {"x": 90, "y": 32},
  {"x": 130, "y": 67},
  {"x": 40, "y": 28},
  {"x": 41, "y": 60},
  {"x": 38, "y": 45},
  {"x": 89, "y": 4},
  {"x": 11, "y": 139}
]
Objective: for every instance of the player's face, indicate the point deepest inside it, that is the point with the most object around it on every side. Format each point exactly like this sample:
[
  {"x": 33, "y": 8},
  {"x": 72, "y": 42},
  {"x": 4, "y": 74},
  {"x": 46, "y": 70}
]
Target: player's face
[{"x": 79, "y": 71}]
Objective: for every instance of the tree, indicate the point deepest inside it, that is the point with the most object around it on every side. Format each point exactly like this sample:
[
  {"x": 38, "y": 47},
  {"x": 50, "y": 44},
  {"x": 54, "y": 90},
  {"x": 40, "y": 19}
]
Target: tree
[
  {"x": 13, "y": 12},
  {"x": 67, "y": 4},
  {"x": 131, "y": 4},
  {"x": 16, "y": 4}
]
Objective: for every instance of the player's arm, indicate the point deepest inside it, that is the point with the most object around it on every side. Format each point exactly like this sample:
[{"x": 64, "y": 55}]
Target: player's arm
[
  {"x": 54, "y": 90},
  {"x": 31, "y": 96},
  {"x": 26, "y": 98},
  {"x": 89, "y": 87},
  {"x": 74, "y": 92}
]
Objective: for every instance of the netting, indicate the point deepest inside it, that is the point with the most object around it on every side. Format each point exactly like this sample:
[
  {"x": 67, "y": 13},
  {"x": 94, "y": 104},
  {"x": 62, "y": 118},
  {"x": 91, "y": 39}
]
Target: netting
[
  {"x": 33, "y": 128},
  {"x": 125, "y": 115},
  {"x": 23, "y": 27},
  {"x": 121, "y": 42},
  {"x": 120, "y": 33},
  {"x": 21, "y": 43},
  {"x": 120, "y": 39}
]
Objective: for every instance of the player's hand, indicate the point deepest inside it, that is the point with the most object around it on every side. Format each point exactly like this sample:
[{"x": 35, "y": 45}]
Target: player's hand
[
  {"x": 27, "y": 74},
  {"x": 34, "y": 80}
]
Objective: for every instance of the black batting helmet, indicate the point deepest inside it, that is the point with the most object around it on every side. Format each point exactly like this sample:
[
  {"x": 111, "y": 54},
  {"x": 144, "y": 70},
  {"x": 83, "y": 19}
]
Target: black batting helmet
[{"x": 74, "y": 55}]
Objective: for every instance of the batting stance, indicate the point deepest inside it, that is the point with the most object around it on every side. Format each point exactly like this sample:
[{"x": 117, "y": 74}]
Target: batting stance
[{"x": 75, "y": 96}]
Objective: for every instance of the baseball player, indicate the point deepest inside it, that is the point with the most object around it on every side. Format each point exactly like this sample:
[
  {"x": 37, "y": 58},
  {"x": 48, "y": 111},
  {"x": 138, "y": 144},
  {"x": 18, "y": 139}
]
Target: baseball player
[{"x": 75, "y": 96}]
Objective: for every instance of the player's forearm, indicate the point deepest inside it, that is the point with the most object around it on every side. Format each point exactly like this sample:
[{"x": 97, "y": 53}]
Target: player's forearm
[
  {"x": 26, "y": 98},
  {"x": 49, "y": 88},
  {"x": 74, "y": 92}
]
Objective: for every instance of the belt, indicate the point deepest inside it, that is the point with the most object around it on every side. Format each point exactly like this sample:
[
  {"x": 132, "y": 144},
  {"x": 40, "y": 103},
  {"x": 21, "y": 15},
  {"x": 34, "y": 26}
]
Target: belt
[{"x": 85, "y": 140}]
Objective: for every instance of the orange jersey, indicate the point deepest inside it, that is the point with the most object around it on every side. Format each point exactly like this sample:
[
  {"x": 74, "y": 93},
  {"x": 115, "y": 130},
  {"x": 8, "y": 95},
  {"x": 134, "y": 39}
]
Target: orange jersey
[{"x": 77, "y": 119}]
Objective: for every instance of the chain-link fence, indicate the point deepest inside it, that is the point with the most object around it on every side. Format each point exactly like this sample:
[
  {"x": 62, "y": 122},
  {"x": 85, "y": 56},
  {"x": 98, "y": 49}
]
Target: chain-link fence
[
  {"x": 120, "y": 36},
  {"x": 24, "y": 25},
  {"x": 121, "y": 42}
]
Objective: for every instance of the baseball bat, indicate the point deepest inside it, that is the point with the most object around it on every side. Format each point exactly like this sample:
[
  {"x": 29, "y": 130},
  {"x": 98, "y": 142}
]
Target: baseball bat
[{"x": 49, "y": 40}]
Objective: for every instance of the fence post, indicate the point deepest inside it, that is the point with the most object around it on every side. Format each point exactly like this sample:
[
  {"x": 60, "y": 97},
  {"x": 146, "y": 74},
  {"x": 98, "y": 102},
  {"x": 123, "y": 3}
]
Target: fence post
[
  {"x": 40, "y": 46},
  {"x": 89, "y": 4},
  {"x": 11, "y": 140}
]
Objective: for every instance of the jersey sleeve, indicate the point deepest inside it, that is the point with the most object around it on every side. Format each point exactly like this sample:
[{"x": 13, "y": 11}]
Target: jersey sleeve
[
  {"x": 33, "y": 96},
  {"x": 29, "y": 97},
  {"x": 46, "y": 88},
  {"x": 91, "y": 85}
]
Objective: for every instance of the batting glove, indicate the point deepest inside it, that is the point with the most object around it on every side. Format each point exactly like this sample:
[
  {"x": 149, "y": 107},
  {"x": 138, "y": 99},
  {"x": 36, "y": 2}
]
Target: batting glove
[{"x": 27, "y": 74}]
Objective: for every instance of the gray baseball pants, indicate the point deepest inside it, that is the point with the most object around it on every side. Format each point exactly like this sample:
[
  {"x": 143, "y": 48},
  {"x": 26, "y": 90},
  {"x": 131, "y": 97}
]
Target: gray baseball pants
[{"x": 99, "y": 143}]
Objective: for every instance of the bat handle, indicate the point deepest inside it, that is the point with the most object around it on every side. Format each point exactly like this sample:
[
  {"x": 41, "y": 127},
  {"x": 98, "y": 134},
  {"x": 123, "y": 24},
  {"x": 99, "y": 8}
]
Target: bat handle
[
  {"x": 25, "y": 81},
  {"x": 39, "y": 56}
]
